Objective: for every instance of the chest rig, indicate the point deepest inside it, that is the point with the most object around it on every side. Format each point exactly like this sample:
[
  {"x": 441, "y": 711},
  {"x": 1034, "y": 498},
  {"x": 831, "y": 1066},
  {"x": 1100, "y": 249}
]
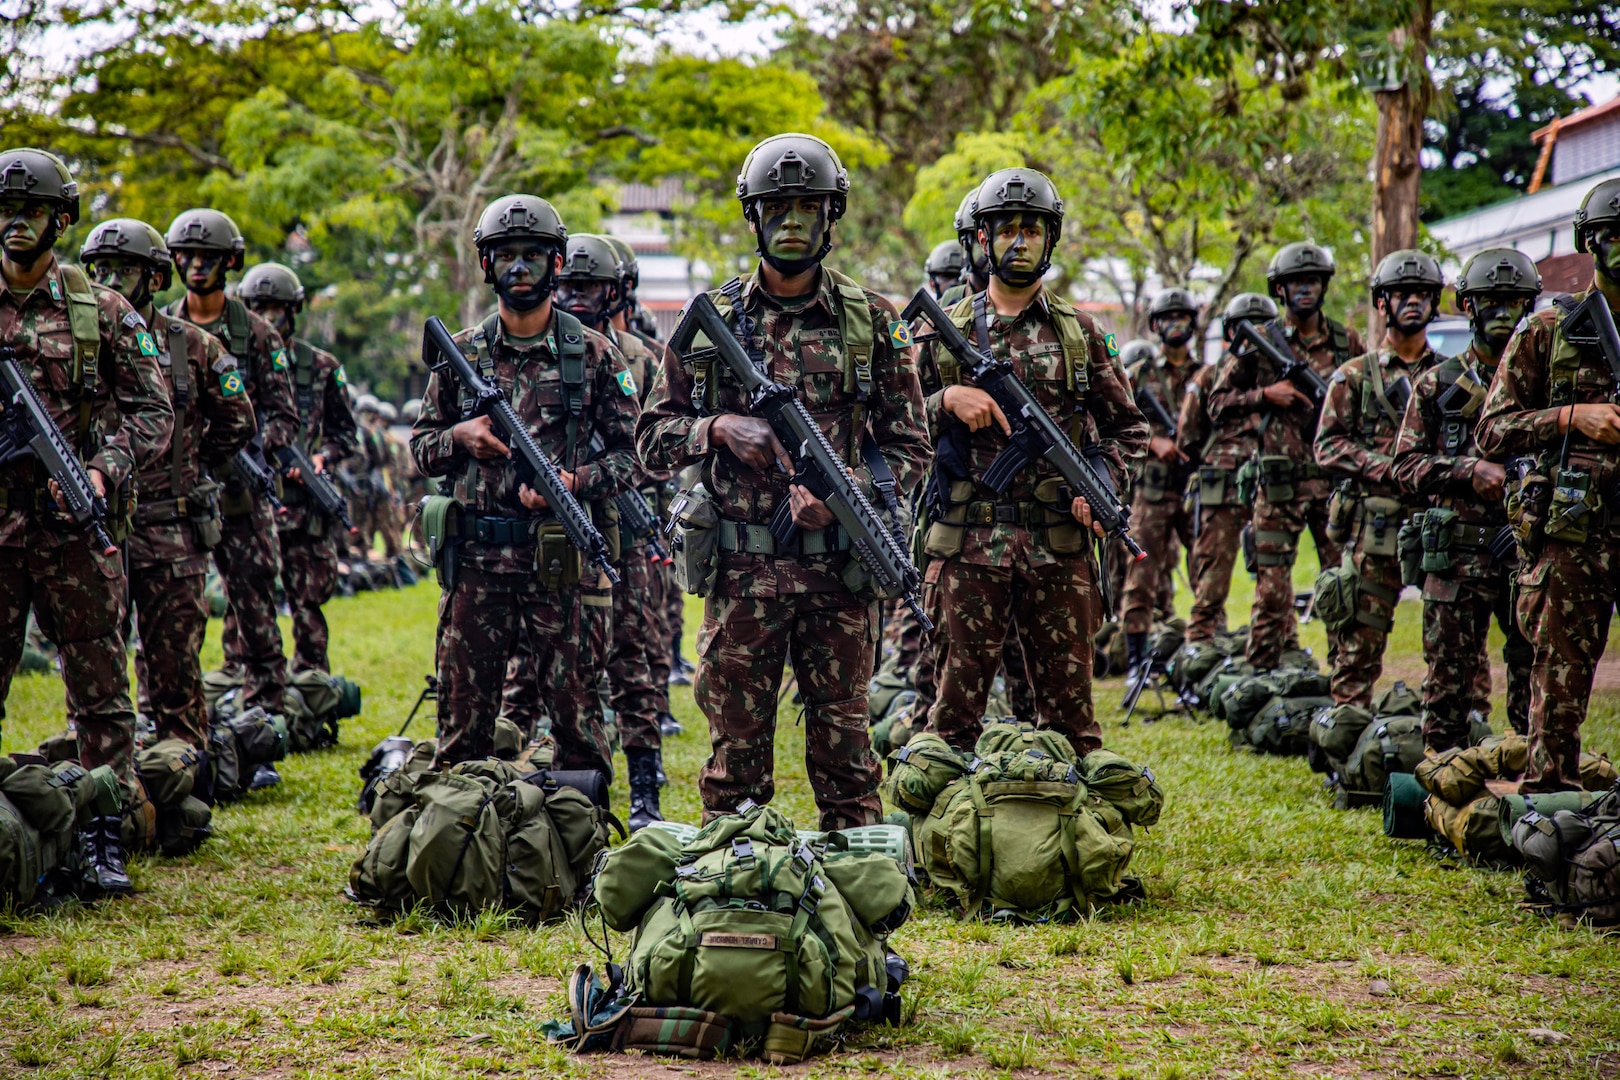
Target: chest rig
[
  {"x": 570, "y": 349},
  {"x": 974, "y": 312},
  {"x": 84, "y": 323},
  {"x": 1462, "y": 392},
  {"x": 303, "y": 372}
]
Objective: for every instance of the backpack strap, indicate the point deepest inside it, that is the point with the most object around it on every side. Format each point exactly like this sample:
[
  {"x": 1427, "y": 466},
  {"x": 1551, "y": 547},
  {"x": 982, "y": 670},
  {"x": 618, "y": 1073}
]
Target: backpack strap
[
  {"x": 571, "y": 359},
  {"x": 855, "y": 334},
  {"x": 238, "y": 333},
  {"x": 304, "y": 377},
  {"x": 1373, "y": 374},
  {"x": 84, "y": 321},
  {"x": 950, "y": 372},
  {"x": 176, "y": 357},
  {"x": 705, "y": 387},
  {"x": 1566, "y": 357},
  {"x": 1339, "y": 335},
  {"x": 1066, "y": 320}
]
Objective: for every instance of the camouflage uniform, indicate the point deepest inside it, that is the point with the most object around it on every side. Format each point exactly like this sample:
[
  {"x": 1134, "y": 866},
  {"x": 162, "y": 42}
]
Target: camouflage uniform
[
  {"x": 248, "y": 555},
  {"x": 1217, "y": 516},
  {"x": 168, "y": 547},
  {"x": 1434, "y": 456},
  {"x": 309, "y": 541},
  {"x": 1024, "y": 556},
  {"x": 1158, "y": 518},
  {"x": 498, "y": 591},
  {"x": 1567, "y": 586},
  {"x": 1286, "y": 436},
  {"x": 1356, "y": 439},
  {"x": 765, "y": 609},
  {"x": 50, "y": 566}
]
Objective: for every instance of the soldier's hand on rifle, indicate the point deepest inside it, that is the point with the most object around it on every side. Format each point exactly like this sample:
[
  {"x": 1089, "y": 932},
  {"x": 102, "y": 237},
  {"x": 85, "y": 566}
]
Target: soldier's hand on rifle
[
  {"x": 533, "y": 500},
  {"x": 1600, "y": 422},
  {"x": 1487, "y": 479},
  {"x": 97, "y": 481},
  {"x": 1284, "y": 395},
  {"x": 316, "y": 460},
  {"x": 809, "y": 512},
  {"x": 752, "y": 440},
  {"x": 975, "y": 408},
  {"x": 1082, "y": 513},
  {"x": 477, "y": 437},
  {"x": 1166, "y": 450}
]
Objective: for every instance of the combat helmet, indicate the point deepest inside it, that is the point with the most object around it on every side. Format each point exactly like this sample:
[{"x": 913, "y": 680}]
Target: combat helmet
[
  {"x": 1172, "y": 299},
  {"x": 411, "y": 410},
  {"x": 1246, "y": 307},
  {"x": 367, "y": 403},
  {"x": 272, "y": 281},
  {"x": 1027, "y": 191},
  {"x": 386, "y": 410},
  {"x": 963, "y": 221},
  {"x": 629, "y": 269},
  {"x": 205, "y": 229},
  {"x": 946, "y": 258},
  {"x": 1136, "y": 351},
  {"x": 1499, "y": 270},
  {"x": 589, "y": 257},
  {"x": 1601, "y": 206},
  {"x": 518, "y": 217},
  {"x": 130, "y": 238},
  {"x": 793, "y": 164},
  {"x": 1297, "y": 260},
  {"x": 39, "y": 174},
  {"x": 1407, "y": 267}
]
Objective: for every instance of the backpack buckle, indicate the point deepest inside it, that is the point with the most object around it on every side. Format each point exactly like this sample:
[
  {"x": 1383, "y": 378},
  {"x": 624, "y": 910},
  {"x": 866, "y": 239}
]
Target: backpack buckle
[{"x": 743, "y": 849}]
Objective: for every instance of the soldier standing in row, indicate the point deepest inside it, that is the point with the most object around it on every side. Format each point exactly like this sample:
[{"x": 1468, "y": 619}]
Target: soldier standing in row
[
  {"x": 835, "y": 342},
  {"x": 93, "y": 363},
  {"x": 1024, "y": 554},
  {"x": 1366, "y": 400},
  {"x": 516, "y": 570},
  {"x": 1436, "y": 456},
  {"x": 326, "y": 432},
  {"x": 206, "y": 244},
  {"x": 1551, "y": 414},
  {"x": 943, "y": 267}
]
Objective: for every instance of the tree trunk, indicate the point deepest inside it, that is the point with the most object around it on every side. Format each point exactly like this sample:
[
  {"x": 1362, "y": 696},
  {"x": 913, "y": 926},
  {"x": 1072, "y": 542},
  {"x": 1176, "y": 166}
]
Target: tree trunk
[{"x": 1397, "y": 167}]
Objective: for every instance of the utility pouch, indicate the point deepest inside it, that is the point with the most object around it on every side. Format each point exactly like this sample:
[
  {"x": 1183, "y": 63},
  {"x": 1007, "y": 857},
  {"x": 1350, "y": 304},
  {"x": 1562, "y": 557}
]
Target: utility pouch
[
  {"x": 1438, "y": 526},
  {"x": 202, "y": 507},
  {"x": 943, "y": 540},
  {"x": 1156, "y": 481},
  {"x": 1527, "y": 495},
  {"x": 1251, "y": 556},
  {"x": 695, "y": 540},
  {"x": 443, "y": 527},
  {"x": 1573, "y": 503},
  {"x": 557, "y": 562},
  {"x": 1341, "y": 515},
  {"x": 1061, "y": 534},
  {"x": 1410, "y": 541},
  {"x": 1248, "y": 481},
  {"x": 1277, "y": 478},
  {"x": 1380, "y": 526},
  {"x": 1213, "y": 483}
]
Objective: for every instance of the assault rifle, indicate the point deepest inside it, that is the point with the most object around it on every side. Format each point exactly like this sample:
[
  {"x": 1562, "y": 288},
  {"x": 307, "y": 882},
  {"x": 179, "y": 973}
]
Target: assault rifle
[
  {"x": 441, "y": 353},
  {"x": 1274, "y": 347},
  {"x": 1035, "y": 435},
  {"x": 26, "y": 429},
  {"x": 320, "y": 487},
  {"x": 1149, "y": 402},
  {"x": 815, "y": 463},
  {"x": 638, "y": 522},
  {"x": 1591, "y": 324},
  {"x": 251, "y": 468}
]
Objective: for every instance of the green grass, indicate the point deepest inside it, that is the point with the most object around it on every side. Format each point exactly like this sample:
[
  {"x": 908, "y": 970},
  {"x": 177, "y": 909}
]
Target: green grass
[{"x": 1269, "y": 917}]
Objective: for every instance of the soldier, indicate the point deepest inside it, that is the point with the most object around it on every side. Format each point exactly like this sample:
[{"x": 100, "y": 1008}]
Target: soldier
[
  {"x": 975, "y": 257},
  {"x": 326, "y": 432},
  {"x": 943, "y": 269},
  {"x": 390, "y": 510},
  {"x": 516, "y": 569},
  {"x": 1025, "y": 553},
  {"x": 1435, "y": 456},
  {"x": 1218, "y": 450},
  {"x": 1366, "y": 400},
  {"x": 1550, "y": 415},
  {"x": 205, "y": 245},
  {"x": 94, "y": 366},
  {"x": 177, "y": 517},
  {"x": 836, "y": 343},
  {"x": 1157, "y": 518}
]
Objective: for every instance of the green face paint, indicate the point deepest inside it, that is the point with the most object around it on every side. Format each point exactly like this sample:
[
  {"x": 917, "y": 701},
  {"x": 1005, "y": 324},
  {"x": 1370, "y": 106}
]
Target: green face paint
[
  {"x": 27, "y": 228},
  {"x": 203, "y": 271},
  {"x": 793, "y": 229},
  {"x": 128, "y": 277},
  {"x": 1019, "y": 242}
]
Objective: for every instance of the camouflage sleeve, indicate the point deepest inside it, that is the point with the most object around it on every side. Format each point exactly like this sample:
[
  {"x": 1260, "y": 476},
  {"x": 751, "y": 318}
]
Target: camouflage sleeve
[
  {"x": 1192, "y": 422},
  {"x": 1416, "y": 467},
  {"x": 1235, "y": 390},
  {"x": 141, "y": 416},
  {"x": 338, "y": 435},
  {"x": 227, "y": 410},
  {"x": 617, "y": 410},
  {"x": 1515, "y": 419},
  {"x": 1357, "y": 346},
  {"x": 1336, "y": 445},
  {"x": 1122, "y": 430},
  {"x": 896, "y": 416},
  {"x": 273, "y": 394},
  {"x": 432, "y": 444},
  {"x": 670, "y": 434}
]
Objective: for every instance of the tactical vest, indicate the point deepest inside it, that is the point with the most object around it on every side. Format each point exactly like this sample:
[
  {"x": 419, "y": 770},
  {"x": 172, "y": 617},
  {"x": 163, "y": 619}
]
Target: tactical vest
[
  {"x": 570, "y": 359},
  {"x": 971, "y": 316},
  {"x": 1566, "y": 358},
  {"x": 1374, "y": 400},
  {"x": 303, "y": 372},
  {"x": 1456, "y": 422},
  {"x": 1340, "y": 336}
]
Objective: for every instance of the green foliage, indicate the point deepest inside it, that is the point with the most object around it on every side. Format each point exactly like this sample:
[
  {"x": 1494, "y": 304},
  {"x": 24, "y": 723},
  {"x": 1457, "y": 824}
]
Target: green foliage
[{"x": 940, "y": 186}]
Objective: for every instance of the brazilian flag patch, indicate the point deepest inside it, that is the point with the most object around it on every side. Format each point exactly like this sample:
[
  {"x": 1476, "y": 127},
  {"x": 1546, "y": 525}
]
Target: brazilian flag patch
[
  {"x": 627, "y": 383},
  {"x": 340, "y": 377},
  {"x": 1113, "y": 346},
  {"x": 900, "y": 335},
  {"x": 230, "y": 383},
  {"x": 278, "y": 359},
  {"x": 148, "y": 346}
]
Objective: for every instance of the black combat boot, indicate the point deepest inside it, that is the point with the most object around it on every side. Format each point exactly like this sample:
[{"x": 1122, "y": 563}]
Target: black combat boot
[
  {"x": 106, "y": 856},
  {"x": 1136, "y": 663},
  {"x": 643, "y": 786},
  {"x": 265, "y": 776},
  {"x": 668, "y": 726}
]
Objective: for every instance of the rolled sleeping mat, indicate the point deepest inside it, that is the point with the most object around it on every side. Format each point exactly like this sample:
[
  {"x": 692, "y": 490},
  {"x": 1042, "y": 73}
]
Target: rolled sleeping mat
[{"x": 1403, "y": 809}]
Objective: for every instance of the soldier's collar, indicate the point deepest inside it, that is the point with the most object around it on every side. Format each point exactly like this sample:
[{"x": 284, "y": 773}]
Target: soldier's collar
[
  {"x": 753, "y": 288},
  {"x": 546, "y": 340},
  {"x": 51, "y": 286}
]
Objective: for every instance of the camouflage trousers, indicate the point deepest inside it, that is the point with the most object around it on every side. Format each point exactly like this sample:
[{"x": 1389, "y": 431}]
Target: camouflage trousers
[
  {"x": 1277, "y": 529},
  {"x": 1456, "y": 623},
  {"x": 660, "y": 656},
  {"x": 1211, "y": 557},
  {"x": 674, "y": 613},
  {"x": 1057, "y": 610},
  {"x": 390, "y": 523},
  {"x": 635, "y": 638},
  {"x": 1566, "y": 598},
  {"x": 1150, "y": 582},
  {"x": 480, "y": 621},
  {"x": 521, "y": 701},
  {"x": 902, "y": 635},
  {"x": 249, "y": 558},
  {"x": 743, "y": 642},
  {"x": 309, "y": 577},
  {"x": 77, "y": 596},
  {"x": 171, "y": 614},
  {"x": 1014, "y": 673},
  {"x": 1356, "y": 652}
]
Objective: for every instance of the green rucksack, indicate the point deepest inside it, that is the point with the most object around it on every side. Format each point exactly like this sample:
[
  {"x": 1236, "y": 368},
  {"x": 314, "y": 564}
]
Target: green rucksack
[
  {"x": 1574, "y": 853},
  {"x": 882, "y": 690},
  {"x": 1243, "y": 699},
  {"x": 898, "y": 725},
  {"x": 1131, "y": 789},
  {"x": 1390, "y": 744},
  {"x": 238, "y": 745},
  {"x": 1281, "y": 726},
  {"x": 1192, "y": 663},
  {"x": 1220, "y": 677},
  {"x": 314, "y": 703},
  {"x": 42, "y": 808},
  {"x": 1334, "y": 735},
  {"x": 920, "y": 770},
  {"x": 172, "y": 773}
]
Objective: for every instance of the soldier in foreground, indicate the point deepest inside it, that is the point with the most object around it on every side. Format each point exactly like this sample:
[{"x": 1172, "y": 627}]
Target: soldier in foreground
[
  {"x": 1550, "y": 413},
  {"x": 515, "y": 568},
  {"x": 1024, "y": 554},
  {"x": 1436, "y": 456},
  {"x": 93, "y": 364},
  {"x": 326, "y": 433},
  {"x": 835, "y": 342}
]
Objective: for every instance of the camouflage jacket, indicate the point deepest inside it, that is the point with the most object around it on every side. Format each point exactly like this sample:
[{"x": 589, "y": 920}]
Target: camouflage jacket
[
  {"x": 266, "y": 369},
  {"x": 642, "y": 364},
  {"x": 217, "y": 421},
  {"x": 532, "y": 380},
  {"x": 1107, "y": 416},
  {"x": 1324, "y": 357},
  {"x": 801, "y": 345},
  {"x": 1356, "y": 437},
  {"x": 326, "y": 423},
  {"x": 126, "y": 406},
  {"x": 1238, "y": 399},
  {"x": 1226, "y": 445},
  {"x": 1169, "y": 383}
]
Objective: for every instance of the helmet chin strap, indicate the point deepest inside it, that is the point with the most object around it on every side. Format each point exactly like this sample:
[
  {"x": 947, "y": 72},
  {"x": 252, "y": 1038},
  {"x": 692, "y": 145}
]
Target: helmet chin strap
[
  {"x": 1019, "y": 279},
  {"x": 542, "y": 287},
  {"x": 787, "y": 267}
]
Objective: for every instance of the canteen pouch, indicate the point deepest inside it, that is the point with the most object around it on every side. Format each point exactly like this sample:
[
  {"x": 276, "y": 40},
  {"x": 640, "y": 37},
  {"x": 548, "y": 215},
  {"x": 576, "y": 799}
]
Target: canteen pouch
[
  {"x": 695, "y": 540},
  {"x": 1248, "y": 482},
  {"x": 1060, "y": 533},
  {"x": 1380, "y": 526},
  {"x": 443, "y": 523},
  {"x": 1410, "y": 540},
  {"x": 1277, "y": 478},
  {"x": 1336, "y": 594},
  {"x": 1438, "y": 533},
  {"x": 1341, "y": 515},
  {"x": 1573, "y": 503},
  {"x": 1526, "y": 500},
  {"x": 203, "y": 511},
  {"x": 557, "y": 562},
  {"x": 944, "y": 540},
  {"x": 1213, "y": 483}
]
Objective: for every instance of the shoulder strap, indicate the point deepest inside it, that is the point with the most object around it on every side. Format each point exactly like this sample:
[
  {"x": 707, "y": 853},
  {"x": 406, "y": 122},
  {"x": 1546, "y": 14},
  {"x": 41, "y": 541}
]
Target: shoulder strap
[
  {"x": 961, "y": 315},
  {"x": 571, "y": 359},
  {"x": 304, "y": 377},
  {"x": 1566, "y": 356},
  {"x": 855, "y": 328},
  {"x": 84, "y": 320},
  {"x": 177, "y": 356},
  {"x": 1453, "y": 429},
  {"x": 1340, "y": 336},
  {"x": 1075, "y": 348},
  {"x": 1374, "y": 373},
  {"x": 238, "y": 331},
  {"x": 705, "y": 387}
]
